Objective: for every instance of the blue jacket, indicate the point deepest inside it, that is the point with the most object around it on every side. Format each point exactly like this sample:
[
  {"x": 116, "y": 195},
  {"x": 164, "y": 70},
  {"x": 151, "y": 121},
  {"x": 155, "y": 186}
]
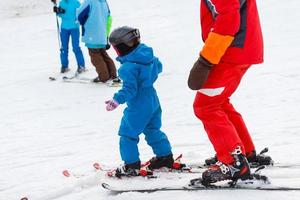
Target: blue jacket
[
  {"x": 139, "y": 71},
  {"x": 68, "y": 19},
  {"x": 94, "y": 17}
]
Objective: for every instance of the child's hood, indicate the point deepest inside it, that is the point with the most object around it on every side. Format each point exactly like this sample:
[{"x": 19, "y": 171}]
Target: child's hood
[{"x": 142, "y": 55}]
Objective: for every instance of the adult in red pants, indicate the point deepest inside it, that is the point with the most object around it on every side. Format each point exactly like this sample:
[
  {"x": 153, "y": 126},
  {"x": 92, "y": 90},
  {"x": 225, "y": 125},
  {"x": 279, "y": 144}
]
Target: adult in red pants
[{"x": 233, "y": 42}]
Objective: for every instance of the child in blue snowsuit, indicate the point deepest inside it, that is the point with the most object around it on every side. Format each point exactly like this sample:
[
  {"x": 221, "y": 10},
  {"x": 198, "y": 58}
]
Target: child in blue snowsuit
[
  {"x": 139, "y": 70},
  {"x": 69, "y": 28}
]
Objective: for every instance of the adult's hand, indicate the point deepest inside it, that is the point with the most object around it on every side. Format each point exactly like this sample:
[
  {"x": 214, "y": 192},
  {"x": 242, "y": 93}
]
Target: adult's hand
[{"x": 199, "y": 73}]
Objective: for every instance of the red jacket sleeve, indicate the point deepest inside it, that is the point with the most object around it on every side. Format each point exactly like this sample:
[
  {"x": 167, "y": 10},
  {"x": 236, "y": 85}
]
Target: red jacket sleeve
[
  {"x": 226, "y": 14},
  {"x": 227, "y": 20}
]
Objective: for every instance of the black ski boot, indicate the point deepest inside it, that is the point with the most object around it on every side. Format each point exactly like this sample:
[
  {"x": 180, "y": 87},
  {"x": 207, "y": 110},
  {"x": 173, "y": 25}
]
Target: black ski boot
[
  {"x": 159, "y": 162},
  {"x": 64, "y": 69},
  {"x": 81, "y": 70},
  {"x": 97, "y": 80},
  {"x": 260, "y": 159},
  {"x": 239, "y": 169},
  {"x": 255, "y": 160},
  {"x": 116, "y": 80},
  {"x": 128, "y": 170},
  {"x": 211, "y": 161}
]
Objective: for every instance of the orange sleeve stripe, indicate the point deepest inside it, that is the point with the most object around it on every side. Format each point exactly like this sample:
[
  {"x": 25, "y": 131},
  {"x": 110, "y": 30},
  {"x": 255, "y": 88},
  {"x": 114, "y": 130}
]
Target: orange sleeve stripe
[{"x": 215, "y": 47}]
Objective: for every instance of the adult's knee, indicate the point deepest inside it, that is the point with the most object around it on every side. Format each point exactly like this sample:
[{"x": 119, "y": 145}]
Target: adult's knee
[{"x": 203, "y": 109}]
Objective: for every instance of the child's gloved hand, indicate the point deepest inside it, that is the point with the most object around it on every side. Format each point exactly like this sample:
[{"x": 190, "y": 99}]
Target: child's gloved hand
[{"x": 111, "y": 104}]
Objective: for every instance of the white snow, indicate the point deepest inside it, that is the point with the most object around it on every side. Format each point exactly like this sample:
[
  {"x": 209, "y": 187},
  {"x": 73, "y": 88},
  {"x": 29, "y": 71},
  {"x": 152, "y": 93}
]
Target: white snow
[{"x": 46, "y": 127}]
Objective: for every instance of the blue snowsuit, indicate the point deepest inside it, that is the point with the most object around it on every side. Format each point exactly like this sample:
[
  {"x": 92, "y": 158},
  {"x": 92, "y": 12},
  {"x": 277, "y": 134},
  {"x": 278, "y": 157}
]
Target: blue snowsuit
[
  {"x": 70, "y": 28},
  {"x": 139, "y": 70}
]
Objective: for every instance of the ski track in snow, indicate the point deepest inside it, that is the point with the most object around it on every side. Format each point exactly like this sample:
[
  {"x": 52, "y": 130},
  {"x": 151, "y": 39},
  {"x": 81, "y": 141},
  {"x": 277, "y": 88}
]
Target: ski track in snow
[{"x": 47, "y": 127}]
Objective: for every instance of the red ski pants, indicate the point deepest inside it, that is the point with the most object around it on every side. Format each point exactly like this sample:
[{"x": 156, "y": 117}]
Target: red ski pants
[{"x": 225, "y": 127}]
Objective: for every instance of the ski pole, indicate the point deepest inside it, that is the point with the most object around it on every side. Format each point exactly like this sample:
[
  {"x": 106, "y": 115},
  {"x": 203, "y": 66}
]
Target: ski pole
[{"x": 57, "y": 26}]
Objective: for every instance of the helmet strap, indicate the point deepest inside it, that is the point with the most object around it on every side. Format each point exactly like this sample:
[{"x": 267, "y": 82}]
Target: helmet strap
[{"x": 123, "y": 49}]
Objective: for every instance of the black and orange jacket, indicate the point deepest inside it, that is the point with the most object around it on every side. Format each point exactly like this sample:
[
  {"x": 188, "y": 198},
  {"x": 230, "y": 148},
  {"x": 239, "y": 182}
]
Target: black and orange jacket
[{"x": 231, "y": 31}]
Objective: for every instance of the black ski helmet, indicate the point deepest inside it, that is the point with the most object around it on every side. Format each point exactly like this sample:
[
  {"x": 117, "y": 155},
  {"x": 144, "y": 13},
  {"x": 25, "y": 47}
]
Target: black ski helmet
[{"x": 124, "y": 39}]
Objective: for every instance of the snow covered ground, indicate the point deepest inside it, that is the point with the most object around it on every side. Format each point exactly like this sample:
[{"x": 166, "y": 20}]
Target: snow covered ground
[{"x": 46, "y": 127}]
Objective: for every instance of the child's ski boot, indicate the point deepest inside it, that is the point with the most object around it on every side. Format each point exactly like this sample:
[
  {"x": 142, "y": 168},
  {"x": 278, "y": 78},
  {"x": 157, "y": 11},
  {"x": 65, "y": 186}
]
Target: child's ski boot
[
  {"x": 128, "y": 170},
  {"x": 159, "y": 162}
]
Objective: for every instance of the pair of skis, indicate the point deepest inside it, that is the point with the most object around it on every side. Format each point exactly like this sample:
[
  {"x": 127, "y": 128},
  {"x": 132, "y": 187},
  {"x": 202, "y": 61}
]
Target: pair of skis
[
  {"x": 258, "y": 182},
  {"x": 77, "y": 78},
  {"x": 255, "y": 182},
  {"x": 198, "y": 188}
]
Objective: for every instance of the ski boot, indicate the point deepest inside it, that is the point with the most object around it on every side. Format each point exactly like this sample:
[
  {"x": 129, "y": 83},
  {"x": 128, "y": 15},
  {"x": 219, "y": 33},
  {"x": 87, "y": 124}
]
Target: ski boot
[
  {"x": 211, "y": 161},
  {"x": 260, "y": 159},
  {"x": 159, "y": 162},
  {"x": 128, "y": 170},
  {"x": 239, "y": 169},
  {"x": 64, "y": 69},
  {"x": 116, "y": 80},
  {"x": 81, "y": 70},
  {"x": 97, "y": 80},
  {"x": 255, "y": 160},
  {"x": 165, "y": 163}
]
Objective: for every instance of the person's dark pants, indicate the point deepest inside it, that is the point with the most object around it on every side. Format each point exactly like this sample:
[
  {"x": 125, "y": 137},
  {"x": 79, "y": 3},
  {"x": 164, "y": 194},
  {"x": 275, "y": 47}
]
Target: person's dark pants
[{"x": 104, "y": 65}]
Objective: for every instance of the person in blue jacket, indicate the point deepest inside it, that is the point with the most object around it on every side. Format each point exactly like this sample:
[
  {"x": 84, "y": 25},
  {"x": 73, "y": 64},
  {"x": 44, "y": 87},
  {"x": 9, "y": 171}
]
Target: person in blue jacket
[
  {"x": 95, "y": 18},
  {"x": 69, "y": 28},
  {"x": 139, "y": 70}
]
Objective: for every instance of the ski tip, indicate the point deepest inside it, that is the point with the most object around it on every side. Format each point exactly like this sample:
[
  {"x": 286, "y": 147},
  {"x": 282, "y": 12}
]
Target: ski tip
[
  {"x": 114, "y": 84},
  {"x": 97, "y": 166},
  {"x": 111, "y": 188},
  {"x": 110, "y": 173},
  {"x": 106, "y": 186},
  {"x": 52, "y": 78},
  {"x": 66, "y": 173}
]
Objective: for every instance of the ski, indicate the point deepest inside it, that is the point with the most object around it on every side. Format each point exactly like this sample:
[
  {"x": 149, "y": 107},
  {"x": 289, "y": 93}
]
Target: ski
[
  {"x": 188, "y": 169},
  {"x": 274, "y": 165},
  {"x": 189, "y": 188},
  {"x": 77, "y": 78},
  {"x": 58, "y": 76},
  {"x": 85, "y": 80},
  {"x": 178, "y": 168},
  {"x": 67, "y": 173},
  {"x": 97, "y": 167},
  {"x": 67, "y": 74},
  {"x": 76, "y": 75},
  {"x": 121, "y": 185},
  {"x": 254, "y": 182}
]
